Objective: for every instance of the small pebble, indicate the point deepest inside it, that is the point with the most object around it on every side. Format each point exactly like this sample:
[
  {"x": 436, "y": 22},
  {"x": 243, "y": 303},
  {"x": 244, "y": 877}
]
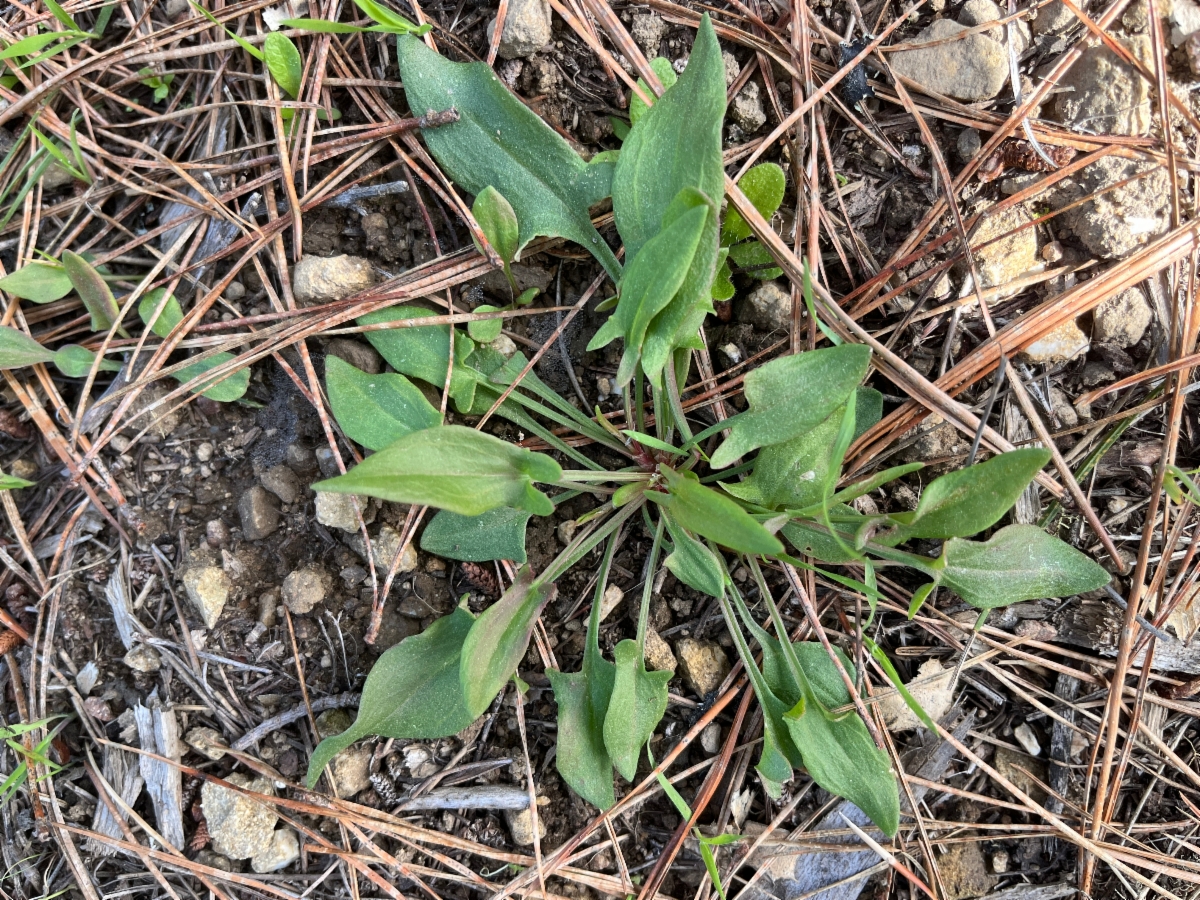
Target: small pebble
[
  {"x": 204, "y": 452},
  {"x": 710, "y": 738},
  {"x": 1025, "y": 736}
]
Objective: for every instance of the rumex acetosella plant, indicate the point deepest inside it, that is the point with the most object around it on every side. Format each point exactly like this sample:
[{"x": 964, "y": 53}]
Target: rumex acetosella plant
[{"x": 768, "y": 492}]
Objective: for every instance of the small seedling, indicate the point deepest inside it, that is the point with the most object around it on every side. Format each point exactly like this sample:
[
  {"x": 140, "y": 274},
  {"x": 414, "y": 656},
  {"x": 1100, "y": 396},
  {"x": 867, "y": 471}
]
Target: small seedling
[
  {"x": 50, "y": 280},
  {"x": 278, "y": 54},
  {"x": 159, "y": 83}
]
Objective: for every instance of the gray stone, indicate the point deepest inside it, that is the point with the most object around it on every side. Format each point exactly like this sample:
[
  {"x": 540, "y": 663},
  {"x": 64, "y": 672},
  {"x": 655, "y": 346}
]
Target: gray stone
[
  {"x": 969, "y": 144},
  {"x": 520, "y": 826},
  {"x": 337, "y": 510},
  {"x": 352, "y": 771},
  {"x": 732, "y": 68},
  {"x": 1101, "y": 94},
  {"x": 282, "y": 852},
  {"x": 259, "y": 514},
  {"x": 648, "y": 31},
  {"x": 1123, "y": 319},
  {"x": 208, "y": 589},
  {"x": 207, "y": 742},
  {"x": 1185, "y": 21},
  {"x": 239, "y": 826},
  {"x": 768, "y": 308},
  {"x": 504, "y": 345},
  {"x": 1060, "y": 407},
  {"x": 385, "y": 547},
  {"x": 333, "y": 721},
  {"x": 305, "y": 588},
  {"x": 747, "y": 108},
  {"x": 1005, "y": 258},
  {"x": 1052, "y": 19},
  {"x": 526, "y": 28},
  {"x": 963, "y": 872},
  {"x": 612, "y": 598},
  {"x": 143, "y": 659},
  {"x": 282, "y": 482},
  {"x": 1059, "y": 345},
  {"x": 659, "y": 655},
  {"x": 980, "y": 12},
  {"x": 235, "y": 291},
  {"x": 703, "y": 664},
  {"x": 710, "y": 738},
  {"x": 56, "y": 176},
  {"x": 359, "y": 354},
  {"x": 972, "y": 68},
  {"x": 1112, "y": 221},
  {"x": 322, "y": 279}
]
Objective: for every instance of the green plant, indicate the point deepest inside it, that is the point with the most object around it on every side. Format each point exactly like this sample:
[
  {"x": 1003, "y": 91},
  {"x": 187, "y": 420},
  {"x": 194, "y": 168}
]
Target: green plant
[
  {"x": 39, "y": 754},
  {"x": 50, "y": 280},
  {"x": 13, "y": 483},
  {"x": 159, "y": 83},
  {"x": 763, "y": 186},
  {"x": 803, "y": 413},
  {"x": 386, "y": 22},
  {"x": 278, "y": 54}
]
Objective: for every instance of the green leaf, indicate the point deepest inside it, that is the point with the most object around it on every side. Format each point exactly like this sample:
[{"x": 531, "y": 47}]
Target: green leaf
[
  {"x": 283, "y": 62},
  {"x": 763, "y": 186},
  {"x": 778, "y": 754},
  {"x": 755, "y": 260},
  {"x": 793, "y": 474},
  {"x": 323, "y": 26},
  {"x": 61, "y": 14},
  {"x": 693, "y": 563},
  {"x": 452, "y": 467},
  {"x": 666, "y": 74},
  {"x": 17, "y": 349},
  {"x": 76, "y": 362},
  {"x": 841, "y": 757},
  {"x": 33, "y": 44},
  {"x": 637, "y": 704},
  {"x": 376, "y": 410},
  {"x": 168, "y": 319},
  {"x": 1020, "y": 562},
  {"x": 582, "y": 698},
  {"x": 650, "y": 281},
  {"x": 233, "y": 387},
  {"x": 500, "y": 142},
  {"x": 702, "y": 510},
  {"x": 497, "y": 534},
  {"x": 676, "y": 144},
  {"x": 969, "y": 500},
  {"x": 498, "y": 222},
  {"x": 412, "y": 692},
  {"x": 236, "y": 38},
  {"x": 39, "y": 282},
  {"x": 497, "y": 641},
  {"x": 13, "y": 483},
  {"x": 485, "y": 330},
  {"x": 868, "y": 410},
  {"x": 792, "y": 395},
  {"x": 811, "y": 539},
  {"x": 722, "y": 286},
  {"x": 93, "y": 291},
  {"x": 392, "y": 23},
  {"x": 580, "y": 757},
  {"x": 422, "y": 352}
]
